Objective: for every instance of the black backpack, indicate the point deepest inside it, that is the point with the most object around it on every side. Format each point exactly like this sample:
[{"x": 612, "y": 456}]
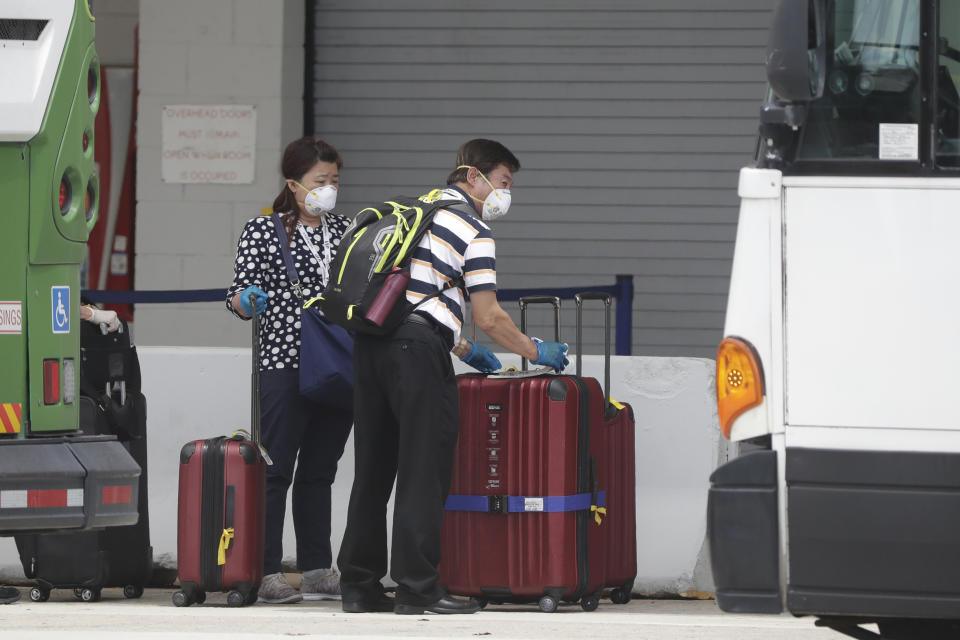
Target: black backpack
[{"x": 379, "y": 245}]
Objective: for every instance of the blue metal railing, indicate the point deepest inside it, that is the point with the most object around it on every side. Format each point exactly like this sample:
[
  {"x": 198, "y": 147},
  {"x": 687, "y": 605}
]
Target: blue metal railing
[{"x": 622, "y": 291}]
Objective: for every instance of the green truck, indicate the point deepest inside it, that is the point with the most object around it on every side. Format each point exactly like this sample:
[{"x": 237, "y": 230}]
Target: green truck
[{"x": 52, "y": 477}]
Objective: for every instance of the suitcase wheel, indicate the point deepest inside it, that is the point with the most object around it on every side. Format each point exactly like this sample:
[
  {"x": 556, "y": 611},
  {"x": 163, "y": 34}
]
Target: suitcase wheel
[
  {"x": 132, "y": 591},
  {"x": 76, "y": 592},
  {"x": 548, "y": 604},
  {"x": 589, "y": 603},
  {"x": 191, "y": 594},
  {"x": 619, "y": 596},
  {"x": 39, "y": 595},
  {"x": 90, "y": 595},
  {"x": 237, "y": 599}
]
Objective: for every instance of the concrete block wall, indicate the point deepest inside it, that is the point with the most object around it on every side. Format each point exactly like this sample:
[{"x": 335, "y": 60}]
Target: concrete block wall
[{"x": 198, "y": 52}]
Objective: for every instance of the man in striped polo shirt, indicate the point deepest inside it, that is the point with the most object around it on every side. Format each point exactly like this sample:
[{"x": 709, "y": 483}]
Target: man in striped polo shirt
[{"x": 407, "y": 415}]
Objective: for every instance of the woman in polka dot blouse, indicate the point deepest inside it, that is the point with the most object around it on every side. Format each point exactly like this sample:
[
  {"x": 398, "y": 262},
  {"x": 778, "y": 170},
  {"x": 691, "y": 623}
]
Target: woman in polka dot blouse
[{"x": 295, "y": 430}]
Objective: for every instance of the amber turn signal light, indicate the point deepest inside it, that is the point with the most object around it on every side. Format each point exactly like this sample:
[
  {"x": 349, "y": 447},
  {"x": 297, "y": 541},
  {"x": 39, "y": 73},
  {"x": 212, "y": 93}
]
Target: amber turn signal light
[{"x": 739, "y": 381}]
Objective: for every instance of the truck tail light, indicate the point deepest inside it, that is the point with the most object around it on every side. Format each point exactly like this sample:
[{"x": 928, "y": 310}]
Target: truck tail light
[
  {"x": 69, "y": 381},
  {"x": 66, "y": 195},
  {"x": 51, "y": 381},
  {"x": 739, "y": 381}
]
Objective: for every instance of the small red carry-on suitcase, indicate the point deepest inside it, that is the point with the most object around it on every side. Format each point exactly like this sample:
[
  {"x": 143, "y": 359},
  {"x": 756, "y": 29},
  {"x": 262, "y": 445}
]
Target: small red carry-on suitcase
[
  {"x": 542, "y": 502},
  {"x": 220, "y": 519}
]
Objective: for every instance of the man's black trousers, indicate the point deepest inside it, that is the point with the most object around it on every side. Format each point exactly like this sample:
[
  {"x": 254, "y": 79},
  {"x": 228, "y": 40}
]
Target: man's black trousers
[{"x": 406, "y": 418}]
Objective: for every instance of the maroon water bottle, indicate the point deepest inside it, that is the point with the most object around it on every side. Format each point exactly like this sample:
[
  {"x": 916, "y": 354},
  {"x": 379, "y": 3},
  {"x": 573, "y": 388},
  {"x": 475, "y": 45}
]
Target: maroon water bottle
[{"x": 393, "y": 286}]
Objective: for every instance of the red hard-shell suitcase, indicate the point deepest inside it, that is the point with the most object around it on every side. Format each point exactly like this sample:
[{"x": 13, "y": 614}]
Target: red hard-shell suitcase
[
  {"x": 220, "y": 520},
  {"x": 542, "y": 501},
  {"x": 221, "y": 511}
]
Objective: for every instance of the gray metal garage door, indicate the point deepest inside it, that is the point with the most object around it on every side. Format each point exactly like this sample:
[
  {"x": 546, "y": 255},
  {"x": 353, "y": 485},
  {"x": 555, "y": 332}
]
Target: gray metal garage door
[{"x": 630, "y": 118}]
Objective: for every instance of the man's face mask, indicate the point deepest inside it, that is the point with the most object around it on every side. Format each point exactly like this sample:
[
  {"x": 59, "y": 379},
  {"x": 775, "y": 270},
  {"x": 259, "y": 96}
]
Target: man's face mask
[
  {"x": 320, "y": 200},
  {"x": 497, "y": 202}
]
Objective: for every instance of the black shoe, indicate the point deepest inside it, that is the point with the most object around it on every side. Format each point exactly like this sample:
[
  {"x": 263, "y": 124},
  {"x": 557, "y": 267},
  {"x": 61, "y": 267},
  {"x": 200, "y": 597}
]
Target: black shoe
[
  {"x": 383, "y": 604},
  {"x": 9, "y": 595},
  {"x": 446, "y": 604}
]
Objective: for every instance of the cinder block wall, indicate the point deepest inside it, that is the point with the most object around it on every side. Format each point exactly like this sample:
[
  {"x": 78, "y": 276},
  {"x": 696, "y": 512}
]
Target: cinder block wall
[{"x": 202, "y": 52}]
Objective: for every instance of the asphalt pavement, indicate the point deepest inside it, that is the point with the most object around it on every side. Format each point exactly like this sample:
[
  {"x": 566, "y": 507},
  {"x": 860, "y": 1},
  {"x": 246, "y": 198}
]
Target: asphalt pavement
[{"x": 153, "y": 617}]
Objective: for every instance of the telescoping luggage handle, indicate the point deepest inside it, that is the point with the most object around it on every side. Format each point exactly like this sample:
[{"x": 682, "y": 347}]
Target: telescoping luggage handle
[
  {"x": 528, "y": 300},
  {"x": 255, "y": 375},
  {"x": 607, "y": 301}
]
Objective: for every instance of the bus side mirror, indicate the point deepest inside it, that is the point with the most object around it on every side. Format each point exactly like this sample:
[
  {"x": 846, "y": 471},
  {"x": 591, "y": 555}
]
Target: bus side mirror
[{"x": 796, "y": 51}]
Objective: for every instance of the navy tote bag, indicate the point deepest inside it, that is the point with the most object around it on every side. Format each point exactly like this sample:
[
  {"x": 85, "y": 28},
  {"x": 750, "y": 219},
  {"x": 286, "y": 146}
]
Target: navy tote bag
[{"x": 326, "y": 349}]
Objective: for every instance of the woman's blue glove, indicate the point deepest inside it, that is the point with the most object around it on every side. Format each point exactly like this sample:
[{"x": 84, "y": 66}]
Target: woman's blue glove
[
  {"x": 552, "y": 354},
  {"x": 481, "y": 358},
  {"x": 260, "y": 297}
]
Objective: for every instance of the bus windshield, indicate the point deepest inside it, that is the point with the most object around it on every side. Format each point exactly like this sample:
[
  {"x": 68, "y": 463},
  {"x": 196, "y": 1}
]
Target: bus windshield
[
  {"x": 948, "y": 72},
  {"x": 871, "y": 104}
]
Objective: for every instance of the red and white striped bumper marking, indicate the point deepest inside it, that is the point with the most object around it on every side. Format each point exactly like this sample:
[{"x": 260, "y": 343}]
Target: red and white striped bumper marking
[{"x": 40, "y": 498}]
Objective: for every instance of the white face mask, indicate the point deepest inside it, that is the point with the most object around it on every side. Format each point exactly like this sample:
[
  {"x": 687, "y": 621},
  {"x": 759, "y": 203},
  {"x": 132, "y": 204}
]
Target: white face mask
[
  {"x": 496, "y": 204},
  {"x": 320, "y": 200}
]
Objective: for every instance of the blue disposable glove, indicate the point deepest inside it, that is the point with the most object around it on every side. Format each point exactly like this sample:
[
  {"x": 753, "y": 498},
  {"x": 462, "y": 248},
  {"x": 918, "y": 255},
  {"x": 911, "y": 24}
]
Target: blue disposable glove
[
  {"x": 481, "y": 358},
  {"x": 552, "y": 354},
  {"x": 260, "y": 297}
]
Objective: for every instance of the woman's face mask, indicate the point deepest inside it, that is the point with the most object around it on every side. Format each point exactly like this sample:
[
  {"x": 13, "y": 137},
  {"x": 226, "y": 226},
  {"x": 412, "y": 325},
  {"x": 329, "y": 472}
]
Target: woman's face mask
[
  {"x": 320, "y": 200},
  {"x": 497, "y": 202}
]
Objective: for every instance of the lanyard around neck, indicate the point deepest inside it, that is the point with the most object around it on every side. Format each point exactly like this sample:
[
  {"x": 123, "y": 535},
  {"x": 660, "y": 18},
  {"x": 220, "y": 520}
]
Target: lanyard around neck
[{"x": 325, "y": 262}]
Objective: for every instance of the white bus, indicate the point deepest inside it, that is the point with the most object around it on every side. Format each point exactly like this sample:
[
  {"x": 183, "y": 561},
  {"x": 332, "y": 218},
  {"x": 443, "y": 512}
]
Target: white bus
[{"x": 838, "y": 373}]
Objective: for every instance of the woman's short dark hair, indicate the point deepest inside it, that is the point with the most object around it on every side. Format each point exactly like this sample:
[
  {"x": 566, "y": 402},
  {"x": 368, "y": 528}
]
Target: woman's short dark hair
[
  {"x": 299, "y": 156},
  {"x": 485, "y": 155}
]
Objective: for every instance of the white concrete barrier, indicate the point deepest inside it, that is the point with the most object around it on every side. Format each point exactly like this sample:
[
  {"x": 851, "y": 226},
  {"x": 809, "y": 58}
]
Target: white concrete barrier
[{"x": 198, "y": 393}]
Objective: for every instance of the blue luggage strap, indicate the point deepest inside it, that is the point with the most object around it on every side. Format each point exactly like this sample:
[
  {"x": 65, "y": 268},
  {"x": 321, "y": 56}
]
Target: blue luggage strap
[{"x": 530, "y": 504}]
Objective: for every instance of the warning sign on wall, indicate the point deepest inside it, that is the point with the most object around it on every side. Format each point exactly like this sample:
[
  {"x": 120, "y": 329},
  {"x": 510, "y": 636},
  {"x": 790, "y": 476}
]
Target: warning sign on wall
[{"x": 211, "y": 144}]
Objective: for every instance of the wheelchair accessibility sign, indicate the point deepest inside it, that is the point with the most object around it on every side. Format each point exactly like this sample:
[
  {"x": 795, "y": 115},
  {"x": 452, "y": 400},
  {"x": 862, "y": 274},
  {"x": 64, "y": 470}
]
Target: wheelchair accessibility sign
[{"x": 60, "y": 309}]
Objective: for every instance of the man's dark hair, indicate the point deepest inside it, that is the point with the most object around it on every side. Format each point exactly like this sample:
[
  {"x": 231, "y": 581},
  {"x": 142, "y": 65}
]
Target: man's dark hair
[{"x": 485, "y": 155}]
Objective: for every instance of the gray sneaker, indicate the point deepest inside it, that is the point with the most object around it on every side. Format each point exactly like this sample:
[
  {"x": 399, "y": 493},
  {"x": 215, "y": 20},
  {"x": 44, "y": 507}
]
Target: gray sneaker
[
  {"x": 275, "y": 590},
  {"x": 320, "y": 584}
]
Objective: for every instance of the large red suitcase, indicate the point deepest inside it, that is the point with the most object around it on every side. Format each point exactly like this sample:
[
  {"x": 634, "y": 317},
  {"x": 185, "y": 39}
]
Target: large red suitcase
[
  {"x": 221, "y": 512},
  {"x": 542, "y": 502}
]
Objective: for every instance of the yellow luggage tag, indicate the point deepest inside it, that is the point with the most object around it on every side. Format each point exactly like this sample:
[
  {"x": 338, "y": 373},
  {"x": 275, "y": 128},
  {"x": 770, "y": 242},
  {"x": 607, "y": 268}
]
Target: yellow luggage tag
[
  {"x": 225, "y": 539},
  {"x": 598, "y": 513}
]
